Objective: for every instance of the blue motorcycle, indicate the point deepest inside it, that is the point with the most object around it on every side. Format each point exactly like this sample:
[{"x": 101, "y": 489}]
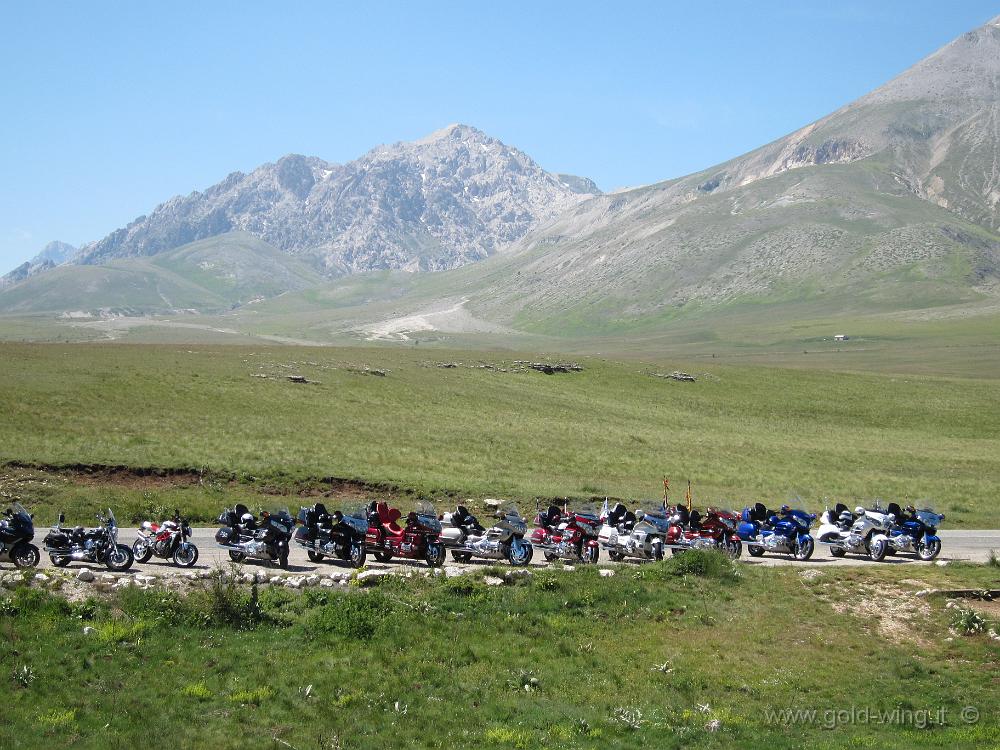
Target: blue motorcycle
[
  {"x": 785, "y": 531},
  {"x": 914, "y": 531}
]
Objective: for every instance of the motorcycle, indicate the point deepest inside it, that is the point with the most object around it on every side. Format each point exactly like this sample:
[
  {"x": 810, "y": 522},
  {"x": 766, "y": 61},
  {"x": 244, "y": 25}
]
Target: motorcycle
[
  {"x": 17, "y": 529},
  {"x": 565, "y": 535},
  {"x": 914, "y": 531},
  {"x": 716, "y": 530},
  {"x": 420, "y": 539},
  {"x": 462, "y": 533},
  {"x": 334, "y": 535},
  {"x": 96, "y": 545},
  {"x": 167, "y": 540},
  {"x": 785, "y": 531},
  {"x": 640, "y": 535},
  {"x": 863, "y": 532},
  {"x": 247, "y": 537}
]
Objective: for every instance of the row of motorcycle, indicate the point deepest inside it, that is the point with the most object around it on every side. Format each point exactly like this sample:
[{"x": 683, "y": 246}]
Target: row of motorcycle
[{"x": 577, "y": 535}]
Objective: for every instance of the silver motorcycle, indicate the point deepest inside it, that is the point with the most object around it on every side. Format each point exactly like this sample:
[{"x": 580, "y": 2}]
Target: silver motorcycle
[
  {"x": 863, "y": 532},
  {"x": 638, "y": 535},
  {"x": 466, "y": 538}
]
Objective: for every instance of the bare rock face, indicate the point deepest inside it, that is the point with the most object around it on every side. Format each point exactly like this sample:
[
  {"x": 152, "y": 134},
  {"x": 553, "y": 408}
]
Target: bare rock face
[{"x": 452, "y": 198}]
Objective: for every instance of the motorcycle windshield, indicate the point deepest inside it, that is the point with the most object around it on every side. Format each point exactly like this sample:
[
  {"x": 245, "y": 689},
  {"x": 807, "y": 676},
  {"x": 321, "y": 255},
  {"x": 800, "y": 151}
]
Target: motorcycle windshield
[
  {"x": 111, "y": 518},
  {"x": 657, "y": 518},
  {"x": 802, "y": 519},
  {"x": 356, "y": 516},
  {"x": 586, "y": 509},
  {"x": 510, "y": 512},
  {"x": 929, "y": 518},
  {"x": 427, "y": 516},
  {"x": 20, "y": 511}
]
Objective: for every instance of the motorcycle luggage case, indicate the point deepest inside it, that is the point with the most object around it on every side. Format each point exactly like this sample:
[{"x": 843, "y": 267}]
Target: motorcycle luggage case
[
  {"x": 57, "y": 539},
  {"x": 225, "y": 535}
]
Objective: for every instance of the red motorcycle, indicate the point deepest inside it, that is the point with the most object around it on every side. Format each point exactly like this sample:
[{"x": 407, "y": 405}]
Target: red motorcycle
[
  {"x": 565, "y": 535},
  {"x": 716, "y": 530},
  {"x": 420, "y": 539},
  {"x": 168, "y": 540}
]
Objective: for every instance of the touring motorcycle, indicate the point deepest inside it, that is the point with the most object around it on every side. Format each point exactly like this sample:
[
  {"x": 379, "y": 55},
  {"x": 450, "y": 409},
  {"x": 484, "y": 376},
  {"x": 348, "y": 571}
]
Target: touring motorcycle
[
  {"x": 568, "y": 535},
  {"x": 167, "y": 540},
  {"x": 863, "y": 532},
  {"x": 335, "y": 535},
  {"x": 785, "y": 531},
  {"x": 96, "y": 545},
  {"x": 462, "y": 533},
  {"x": 261, "y": 539},
  {"x": 913, "y": 530},
  {"x": 420, "y": 539},
  {"x": 17, "y": 529},
  {"x": 639, "y": 535},
  {"x": 716, "y": 530}
]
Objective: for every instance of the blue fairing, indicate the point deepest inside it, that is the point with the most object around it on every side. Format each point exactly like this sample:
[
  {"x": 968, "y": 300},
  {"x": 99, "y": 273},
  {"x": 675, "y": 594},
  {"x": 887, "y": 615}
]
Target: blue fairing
[{"x": 748, "y": 530}]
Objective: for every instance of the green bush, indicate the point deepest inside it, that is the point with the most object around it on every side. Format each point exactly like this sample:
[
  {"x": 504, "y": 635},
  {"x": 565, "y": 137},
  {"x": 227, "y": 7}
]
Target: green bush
[
  {"x": 352, "y": 616},
  {"x": 703, "y": 563}
]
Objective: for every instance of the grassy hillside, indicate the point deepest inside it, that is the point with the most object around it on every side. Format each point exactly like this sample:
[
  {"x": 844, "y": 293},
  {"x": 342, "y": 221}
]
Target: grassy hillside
[
  {"x": 740, "y": 433},
  {"x": 210, "y": 275},
  {"x": 691, "y": 652}
]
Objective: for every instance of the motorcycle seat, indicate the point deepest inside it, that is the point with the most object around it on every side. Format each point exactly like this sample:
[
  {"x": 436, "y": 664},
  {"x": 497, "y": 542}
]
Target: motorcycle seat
[{"x": 387, "y": 517}]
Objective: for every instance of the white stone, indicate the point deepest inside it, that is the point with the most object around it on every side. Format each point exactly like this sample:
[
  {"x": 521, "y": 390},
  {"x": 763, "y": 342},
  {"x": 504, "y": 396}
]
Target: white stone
[
  {"x": 41, "y": 578},
  {"x": 326, "y": 583},
  {"x": 492, "y": 581},
  {"x": 312, "y": 580},
  {"x": 88, "y": 630},
  {"x": 86, "y": 575},
  {"x": 451, "y": 571},
  {"x": 371, "y": 574},
  {"x": 606, "y": 572}
]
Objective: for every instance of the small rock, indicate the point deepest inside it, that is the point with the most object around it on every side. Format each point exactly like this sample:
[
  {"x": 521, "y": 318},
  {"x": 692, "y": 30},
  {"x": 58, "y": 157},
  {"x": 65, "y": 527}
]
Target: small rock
[
  {"x": 88, "y": 630},
  {"x": 311, "y": 580},
  {"x": 714, "y": 725},
  {"x": 491, "y": 503},
  {"x": 41, "y": 578},
  {"x": 326, "y": 583},
  {"x": 569, "y": 568},
  {"x": 451, "y": 571},
  {"x": 493, "y": 581},
  {"x": 372, "y": 575},
  {"x": 942, "y": 563},
  {"x": 86, "y": 575},
  {"x": 606, "y": 572}
]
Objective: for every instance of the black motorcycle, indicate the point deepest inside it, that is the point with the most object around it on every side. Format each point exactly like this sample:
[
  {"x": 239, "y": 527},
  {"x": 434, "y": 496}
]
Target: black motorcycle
[
  {"x": 333, "y": 535},
  {"x": 97, "y": 545},
  {"x": 265, "y": 538},
  {"x": 17, "y": 529}
]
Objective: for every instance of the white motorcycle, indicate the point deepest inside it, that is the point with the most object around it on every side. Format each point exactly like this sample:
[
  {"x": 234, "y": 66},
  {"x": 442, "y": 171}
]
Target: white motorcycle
[
  {"x": 462, "y": 533},
  {"x": 638, "y": 535},
  {"x": 863, "y": 532}
]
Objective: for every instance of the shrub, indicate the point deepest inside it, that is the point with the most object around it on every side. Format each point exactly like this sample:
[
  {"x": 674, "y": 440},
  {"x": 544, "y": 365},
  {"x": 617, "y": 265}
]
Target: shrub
[
  {"x": 197, "y": 690},
  {"x": 353, "y": 616},
  {"x": 968, "y": 622},
  {"x": 707, "y": 563},
  {"x": 255, "y": 696}
]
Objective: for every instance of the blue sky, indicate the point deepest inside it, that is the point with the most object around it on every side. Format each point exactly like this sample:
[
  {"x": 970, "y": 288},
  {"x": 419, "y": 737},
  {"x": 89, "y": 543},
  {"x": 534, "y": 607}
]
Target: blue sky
[{"x": 107, "y": 109}]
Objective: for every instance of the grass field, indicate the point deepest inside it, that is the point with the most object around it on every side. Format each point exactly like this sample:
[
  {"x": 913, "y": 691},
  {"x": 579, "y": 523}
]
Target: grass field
[
  {"x": 740, "y": 433},
  {"x": 692, "y": 652}
]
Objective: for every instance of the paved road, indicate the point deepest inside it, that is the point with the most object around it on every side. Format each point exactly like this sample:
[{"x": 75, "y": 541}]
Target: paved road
[{"x": 960, "y": 544}]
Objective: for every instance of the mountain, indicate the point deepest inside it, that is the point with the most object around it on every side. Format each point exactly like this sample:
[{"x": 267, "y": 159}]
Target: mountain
[
  {"x": 454, "y": 197},
  {"x": 212, "y": 275},
  {"x": 52, "y": 255},
  {"x": 892, "y": 202}
]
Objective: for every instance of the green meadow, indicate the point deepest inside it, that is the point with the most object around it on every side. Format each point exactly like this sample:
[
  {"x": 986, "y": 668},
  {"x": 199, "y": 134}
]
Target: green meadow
[{"x": 396, "y": 421}]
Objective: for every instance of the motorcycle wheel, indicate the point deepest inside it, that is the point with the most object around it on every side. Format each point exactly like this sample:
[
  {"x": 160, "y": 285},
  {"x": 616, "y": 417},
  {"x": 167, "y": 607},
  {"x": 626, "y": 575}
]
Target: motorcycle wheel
[
  {"x": 550, "y": 556},
  {"x": 519, "y": 555},
  {"x": 876, "y": 551},
  {"x": 141, "y": 551},
  {"x": 615, "y": 556},
  {"x": 120, "y": 558},
  {"x": 733, "y": 549},
  {"x": 657, "y": 550},
  {"x": 928, "y": 551},
  {"x": 315, "y": 556},
  {"x": 754, "y": 551},
  {"x": 358, "y": 555},
  {"x": 462, "y": 557},
  {"x": 804, "y": 551},
  {"x": 186, "y": 555},
  {"x": 25, "y": 555},
  {"x": 434, "y": 555},
  {"x": 60, "y": 561},
  {"x": 237, "y": 556},
  {"x": 591, "y": 555},
  {"x": 837, "y": 551},
  {"x": 383, "y": 555}
]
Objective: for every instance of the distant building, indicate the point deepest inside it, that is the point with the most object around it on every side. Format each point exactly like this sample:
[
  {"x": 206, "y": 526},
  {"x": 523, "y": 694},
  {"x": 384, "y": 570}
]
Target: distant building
[{"x": 840, "y": 337}]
